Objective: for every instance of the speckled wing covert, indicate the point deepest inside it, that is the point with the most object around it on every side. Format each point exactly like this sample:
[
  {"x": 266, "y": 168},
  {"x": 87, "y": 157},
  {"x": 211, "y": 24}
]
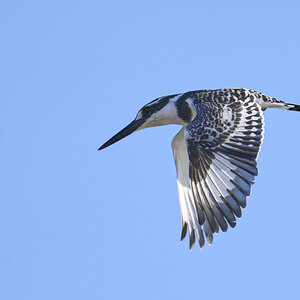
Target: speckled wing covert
[{"x": 215, "y": 157}]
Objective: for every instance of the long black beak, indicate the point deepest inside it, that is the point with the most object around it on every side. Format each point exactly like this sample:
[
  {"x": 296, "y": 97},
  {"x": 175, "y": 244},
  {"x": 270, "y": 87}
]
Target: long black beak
[{"x": 135, "y": 124}]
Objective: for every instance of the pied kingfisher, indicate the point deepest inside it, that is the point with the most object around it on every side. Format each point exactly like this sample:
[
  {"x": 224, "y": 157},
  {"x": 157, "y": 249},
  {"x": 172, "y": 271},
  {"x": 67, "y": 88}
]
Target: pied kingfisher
[{"x": 215, "y": 152}]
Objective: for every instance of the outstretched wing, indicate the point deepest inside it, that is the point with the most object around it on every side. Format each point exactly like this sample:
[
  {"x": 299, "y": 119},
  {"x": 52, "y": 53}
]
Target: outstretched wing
[{"x": 215, "y": 157}]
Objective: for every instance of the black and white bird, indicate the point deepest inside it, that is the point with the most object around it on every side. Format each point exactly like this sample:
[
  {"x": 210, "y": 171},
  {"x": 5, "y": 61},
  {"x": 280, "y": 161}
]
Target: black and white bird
[{"x": 215, "y": 152}]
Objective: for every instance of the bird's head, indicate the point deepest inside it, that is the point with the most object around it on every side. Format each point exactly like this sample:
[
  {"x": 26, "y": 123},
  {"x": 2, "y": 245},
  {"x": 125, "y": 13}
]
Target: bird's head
[{"x": 161, "y": 111}]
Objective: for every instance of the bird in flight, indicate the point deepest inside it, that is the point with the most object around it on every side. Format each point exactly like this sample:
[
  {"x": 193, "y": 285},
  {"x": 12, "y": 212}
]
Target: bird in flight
[{"x": 215, "y": 152}]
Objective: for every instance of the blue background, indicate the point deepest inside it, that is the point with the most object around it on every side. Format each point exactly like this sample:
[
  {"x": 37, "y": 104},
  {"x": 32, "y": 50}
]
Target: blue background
[{"x": 76, "y": 223}]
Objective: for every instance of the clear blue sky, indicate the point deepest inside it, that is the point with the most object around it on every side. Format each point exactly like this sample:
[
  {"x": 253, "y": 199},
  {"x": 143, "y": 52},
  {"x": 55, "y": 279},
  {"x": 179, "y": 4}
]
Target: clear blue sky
[{"x": 76, "y": 223}]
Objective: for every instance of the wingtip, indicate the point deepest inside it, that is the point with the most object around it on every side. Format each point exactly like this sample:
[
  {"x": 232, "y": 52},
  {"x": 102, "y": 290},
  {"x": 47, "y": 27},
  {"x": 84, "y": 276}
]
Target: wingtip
[
  {"x": 201, "y": 243},
  {"x": 192, "y": 242},
  {"x": 183, "y": 231},
  {"x": 192, "y": 238}
]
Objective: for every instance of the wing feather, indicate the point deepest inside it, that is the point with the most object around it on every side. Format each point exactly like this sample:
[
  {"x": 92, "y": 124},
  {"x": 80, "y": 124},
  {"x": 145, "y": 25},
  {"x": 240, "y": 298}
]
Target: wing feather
[{"x": 215, "y": 157}]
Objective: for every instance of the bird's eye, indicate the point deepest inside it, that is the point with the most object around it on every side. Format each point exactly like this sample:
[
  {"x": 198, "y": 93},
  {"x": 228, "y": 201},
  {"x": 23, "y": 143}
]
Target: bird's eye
[{"x": 146, "y": 111}]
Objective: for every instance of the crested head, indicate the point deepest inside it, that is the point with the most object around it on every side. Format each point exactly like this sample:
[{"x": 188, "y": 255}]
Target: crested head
[
  {"x": 174, "y": 109},
  {"x": 164, "y": 111}
]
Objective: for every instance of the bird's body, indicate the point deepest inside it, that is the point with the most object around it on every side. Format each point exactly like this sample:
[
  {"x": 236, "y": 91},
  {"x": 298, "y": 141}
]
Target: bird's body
[{"x": 215, "y": 152}]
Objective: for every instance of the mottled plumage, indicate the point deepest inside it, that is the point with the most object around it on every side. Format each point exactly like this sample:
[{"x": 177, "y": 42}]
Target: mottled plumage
[{"x": 215, "y": 152}]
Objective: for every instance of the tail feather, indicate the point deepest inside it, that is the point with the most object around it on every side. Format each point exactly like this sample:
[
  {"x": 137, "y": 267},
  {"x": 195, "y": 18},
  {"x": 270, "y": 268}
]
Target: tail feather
[
  {"x": 269, "y": 102},
  {"x": 283, "y": 105},
  {"x": 294, "y": 107}
]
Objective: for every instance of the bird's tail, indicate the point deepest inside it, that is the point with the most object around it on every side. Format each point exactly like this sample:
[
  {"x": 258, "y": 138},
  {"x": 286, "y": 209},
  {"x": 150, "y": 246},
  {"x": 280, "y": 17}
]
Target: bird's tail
[
  {"x": 269, "y": 102},
  {"x": 282, "y": 105},
  {"x": 291, "y": 106}
]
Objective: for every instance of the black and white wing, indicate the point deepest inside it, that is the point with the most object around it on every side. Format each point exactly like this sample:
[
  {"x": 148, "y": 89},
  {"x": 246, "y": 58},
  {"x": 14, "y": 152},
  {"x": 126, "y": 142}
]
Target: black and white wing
[{"x": 215, "y": 157}]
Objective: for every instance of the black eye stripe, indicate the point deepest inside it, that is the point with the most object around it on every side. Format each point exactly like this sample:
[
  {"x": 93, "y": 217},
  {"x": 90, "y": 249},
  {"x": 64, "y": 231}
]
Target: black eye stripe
[
  {"x": 154, "y": 107},
  {"x": 147, "y": 111}
]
